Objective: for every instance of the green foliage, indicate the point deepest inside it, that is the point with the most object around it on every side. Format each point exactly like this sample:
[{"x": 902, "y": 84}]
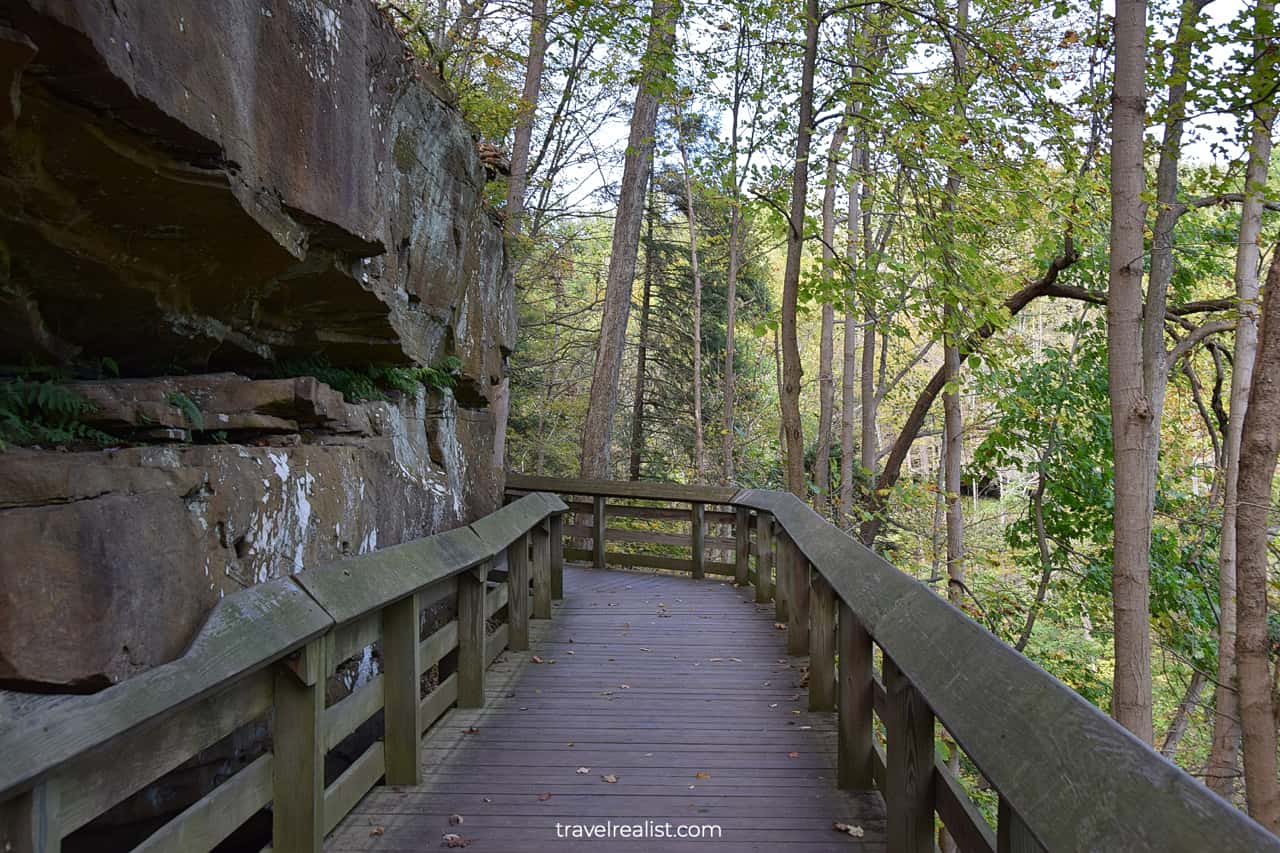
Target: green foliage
[
  {"x": 188, "y": 407},
  {"x": 44, "y": 412},
  {"x": 375, "y": 381}
]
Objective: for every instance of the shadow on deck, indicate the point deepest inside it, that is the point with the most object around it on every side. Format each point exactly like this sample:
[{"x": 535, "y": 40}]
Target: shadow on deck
[{"x": 680, "y": 690}]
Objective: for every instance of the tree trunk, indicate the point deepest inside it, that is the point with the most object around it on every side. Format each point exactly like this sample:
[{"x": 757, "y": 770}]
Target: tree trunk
[
  {"x": 524, "y": 119},
  {"x": 597, "y": 430},
  {"x": 1130, "y": 408},
  {"x": 699, "y": 455},
  {"x": 792, "y": 372},
  {"x": 728, "y": 469},
  {"x": 826, "y": 349},
  {"x": 849, "y": 388},
  {"x": 1223, "y": 767},
  {"x": 642, "y": 349},
  {"x": 1259, "y": 444},
  {"x": 1178, "y": 725}
]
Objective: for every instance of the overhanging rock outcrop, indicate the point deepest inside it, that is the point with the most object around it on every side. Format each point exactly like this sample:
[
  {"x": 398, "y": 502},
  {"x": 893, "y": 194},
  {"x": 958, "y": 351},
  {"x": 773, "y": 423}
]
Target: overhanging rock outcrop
[{"x": 209, "y": 198}]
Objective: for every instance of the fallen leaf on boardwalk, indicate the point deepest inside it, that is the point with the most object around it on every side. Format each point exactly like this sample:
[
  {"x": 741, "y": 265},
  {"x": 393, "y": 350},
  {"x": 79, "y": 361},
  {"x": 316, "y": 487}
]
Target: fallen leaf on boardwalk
[
  {"x": 793, "y": 755},
  {"x": 570, "y": 652},
  {"x": 625, "y": 686},
  {"x": 691, "y": 787},
  {"x": 781, "y": 626},
  {"x": 795, "y": 711},
  {"x": 570, "y": 743},
  {"x": 470, "y": 730},
  {"x": 848, "y": 829},
  {"x": 805, "y": 728},
  {"x": 452, "y": 839},
  {"x": 488, "y": 799},
  {"x": 583, "y": 771},
  {"x": 717, "y": 660},
  {"x": 702, "y": 774},
  {"x": 765, "y": 683},
  {"x": 377, "y": 830},
  {"x": 736, "y": 660},
  {"x": 526, "y": 707},
  {"x": 536, "y": 659},
  {"x": 773, "y": 705},
  {"x": 613, "y": 604},
  {"x": 610, "y": 778},
  {"x": 455, "y": 820},
  {"x": 544, "y": 796},
  {"x": 643, "y": 649}
]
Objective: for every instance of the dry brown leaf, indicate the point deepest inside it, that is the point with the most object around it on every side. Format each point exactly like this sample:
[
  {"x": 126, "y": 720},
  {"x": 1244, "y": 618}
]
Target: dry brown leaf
[
  {"x": 793, "y": 755},
  {"x": 536, "y": 659},
  {"x": 848, "y": 829},
  {"x": 781, "y": 626},
  {"x": 610, "y": 778},
  {"x": 544, "y": 796},
  {"x": 455, "y": 820},
  {"x": 583, "y": 771},
  {"x": 377, "y": 830},
  {"x": 452, "y": 839},
  {"x": 702, "y": 774},
  {"x": 470, "y": 730}
]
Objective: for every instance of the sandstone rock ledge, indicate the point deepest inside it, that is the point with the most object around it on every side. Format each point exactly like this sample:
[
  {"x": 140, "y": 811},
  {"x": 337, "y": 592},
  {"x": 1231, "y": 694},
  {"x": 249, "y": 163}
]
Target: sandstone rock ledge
[{"x": 198, "y": 193}]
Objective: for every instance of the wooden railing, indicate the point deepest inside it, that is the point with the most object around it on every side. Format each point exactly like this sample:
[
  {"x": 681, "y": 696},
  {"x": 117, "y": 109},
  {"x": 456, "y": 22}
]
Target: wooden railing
[
  {"x": 266, "y": 653},
  {"x": 1068, "y": 777}
]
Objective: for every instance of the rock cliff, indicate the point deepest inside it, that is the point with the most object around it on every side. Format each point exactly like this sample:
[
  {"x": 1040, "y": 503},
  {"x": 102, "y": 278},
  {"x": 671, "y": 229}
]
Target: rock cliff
[{"x": 205, "y": 196}]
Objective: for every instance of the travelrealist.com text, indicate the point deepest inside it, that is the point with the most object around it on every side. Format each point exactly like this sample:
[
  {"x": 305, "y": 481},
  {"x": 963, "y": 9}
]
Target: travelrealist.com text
[{"x": 644, "y": 829}]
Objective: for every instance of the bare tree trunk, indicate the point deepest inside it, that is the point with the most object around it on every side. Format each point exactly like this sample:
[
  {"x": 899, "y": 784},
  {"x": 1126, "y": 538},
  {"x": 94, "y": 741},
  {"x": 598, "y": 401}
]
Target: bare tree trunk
[
  {"x": 1223, "y": 767},
  {"x": 826, "y": 348},
  {"x": 870, "y": 436},
  {"x": 597, "y": 430},
  {"x": 1130, "y": 409},
  {"x": 849, "y": 388},
  {"x": 642, "y": 350},
  {"x": 792, "y": 372},
  {"x": 699, "y": 456},
  {"x": 953, "y": 420},
  {"x": 735, "y": 252},
  {"x": 1259, "y": 445},
  {"x": 524, "y": 119},
  {"x": 1178, "y": 725}
]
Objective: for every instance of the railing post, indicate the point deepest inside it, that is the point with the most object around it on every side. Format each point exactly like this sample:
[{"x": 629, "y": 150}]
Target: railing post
[
  {"x": 781, "y": 572},
  {"x": 555, "y": 524},
  {"x": 541, "y": 572},
  {"x": 741, "y": 545},
  {"x": 518, "y": 594},
  {"x": 856, "y": 700},
  {"x": 471, "y": 636},
  {"x": 297, "y": 766},
  {"x": 1012, "y": 835},
  {"x": 400, "y": 679},
  {"x": 822, "y": 644},
  {"x": 909, "y": 783},
  {"x": 29, "y": 822},
  {"x": 697, "y": 538},
  {"x": 797, "y": 599},
  {"x": 598, "y": 527},
  {"x": 764, "y": 557}
]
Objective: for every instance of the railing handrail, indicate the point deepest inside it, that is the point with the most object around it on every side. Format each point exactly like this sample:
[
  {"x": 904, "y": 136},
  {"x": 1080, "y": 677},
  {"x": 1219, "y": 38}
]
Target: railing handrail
[
  {"x": 254, "y": 628},
  {"x": 1076, "y": 778}
]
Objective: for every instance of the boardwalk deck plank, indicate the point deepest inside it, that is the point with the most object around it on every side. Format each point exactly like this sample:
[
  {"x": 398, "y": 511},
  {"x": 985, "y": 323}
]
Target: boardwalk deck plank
[{"x": 680, "y": 689}]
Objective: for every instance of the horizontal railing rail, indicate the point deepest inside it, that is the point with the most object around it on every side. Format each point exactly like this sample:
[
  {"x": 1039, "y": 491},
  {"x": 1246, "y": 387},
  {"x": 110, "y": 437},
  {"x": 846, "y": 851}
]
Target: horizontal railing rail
[
  {"x": 266, "y": 653},
  {"x": 1067, "y": 775}
]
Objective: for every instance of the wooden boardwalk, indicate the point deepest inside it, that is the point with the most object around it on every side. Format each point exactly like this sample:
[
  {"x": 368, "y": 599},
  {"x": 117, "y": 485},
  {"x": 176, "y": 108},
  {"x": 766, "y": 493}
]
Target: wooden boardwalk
[{"x": 680, "y": 690}]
